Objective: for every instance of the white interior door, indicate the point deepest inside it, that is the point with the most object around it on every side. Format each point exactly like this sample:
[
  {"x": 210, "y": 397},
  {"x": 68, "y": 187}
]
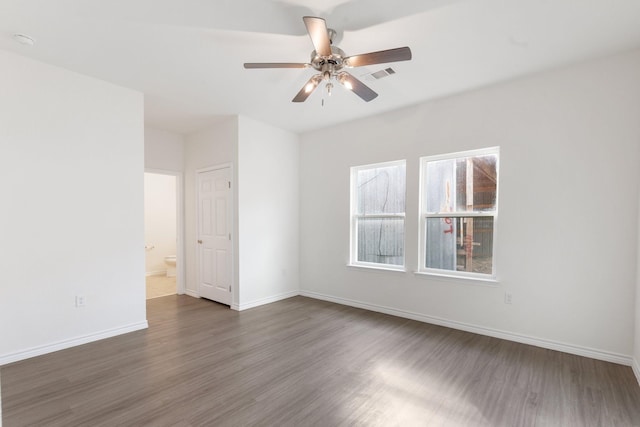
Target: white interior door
[{"x": 214, "y": 235}]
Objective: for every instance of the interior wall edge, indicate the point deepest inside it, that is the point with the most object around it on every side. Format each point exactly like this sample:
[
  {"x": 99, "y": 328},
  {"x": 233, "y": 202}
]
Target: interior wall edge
[
  {"x": 606, "y": 356},
  {"x": 267, "y": 300},
  {"x": 64, "y": 344}
]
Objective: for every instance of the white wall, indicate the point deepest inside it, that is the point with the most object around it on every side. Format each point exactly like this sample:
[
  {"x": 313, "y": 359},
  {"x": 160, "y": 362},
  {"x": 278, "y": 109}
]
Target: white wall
[
  {"x": 568, "y": 220},
  {"x": 268, "y": 207},
  {"x": 71, "y": 222},
  {"x": 163, "y": 150},
  {"x": 159, "y": 221},
  {"x": 636, "y": 353},
  {"x": 214, "y": 146}
]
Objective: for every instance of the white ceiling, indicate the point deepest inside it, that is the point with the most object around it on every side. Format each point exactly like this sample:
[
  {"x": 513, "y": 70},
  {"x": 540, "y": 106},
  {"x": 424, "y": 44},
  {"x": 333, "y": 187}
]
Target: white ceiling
[{"x": 186, "y": 56}]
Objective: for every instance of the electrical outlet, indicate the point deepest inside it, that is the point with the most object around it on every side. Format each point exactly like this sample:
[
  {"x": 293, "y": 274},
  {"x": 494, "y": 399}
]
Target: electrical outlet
[
  {"x": 80, "y": 301},
  {"x": 508, "y": 298}
]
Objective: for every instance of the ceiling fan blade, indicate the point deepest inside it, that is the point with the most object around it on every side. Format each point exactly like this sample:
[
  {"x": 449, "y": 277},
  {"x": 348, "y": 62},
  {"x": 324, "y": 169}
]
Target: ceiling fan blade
[
  {"x": 252, "y": 65},
  {"x": 380, "y": 57},
  {"x": 307, "y": 89},
  {"x": 356, "y": 86},
  {"x": 317, "y": 29}
]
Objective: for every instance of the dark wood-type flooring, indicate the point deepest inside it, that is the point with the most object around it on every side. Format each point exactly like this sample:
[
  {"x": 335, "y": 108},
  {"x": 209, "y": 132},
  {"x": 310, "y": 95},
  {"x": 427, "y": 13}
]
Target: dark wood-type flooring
[{"x": 301, "y": 362}]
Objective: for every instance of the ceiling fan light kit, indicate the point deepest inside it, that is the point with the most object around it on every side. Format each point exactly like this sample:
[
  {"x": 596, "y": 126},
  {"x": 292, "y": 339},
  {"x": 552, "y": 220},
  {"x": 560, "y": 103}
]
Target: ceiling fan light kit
[{"x": 330, "y": 62}]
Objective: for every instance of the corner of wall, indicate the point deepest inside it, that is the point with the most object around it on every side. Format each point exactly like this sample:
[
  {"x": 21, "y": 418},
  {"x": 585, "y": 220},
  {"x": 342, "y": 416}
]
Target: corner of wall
[{"x": 267, "y": 182}]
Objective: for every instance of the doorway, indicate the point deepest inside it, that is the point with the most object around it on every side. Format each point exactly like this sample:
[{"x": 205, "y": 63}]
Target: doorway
[{"x": 162, "y": 224}]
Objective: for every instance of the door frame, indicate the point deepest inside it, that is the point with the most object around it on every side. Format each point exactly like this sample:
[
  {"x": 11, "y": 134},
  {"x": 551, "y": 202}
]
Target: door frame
[
  {"x": 180, "y": 264},
  {"x": 232, "y": 226}
]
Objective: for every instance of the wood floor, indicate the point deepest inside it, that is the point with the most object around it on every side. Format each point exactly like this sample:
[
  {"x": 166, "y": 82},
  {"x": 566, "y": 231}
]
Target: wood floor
[{"x": 301, "y": 362}]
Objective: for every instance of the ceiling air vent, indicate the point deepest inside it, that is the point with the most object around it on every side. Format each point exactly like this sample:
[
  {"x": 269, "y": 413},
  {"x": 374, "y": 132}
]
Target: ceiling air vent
[{"x": 383, "y": 73}]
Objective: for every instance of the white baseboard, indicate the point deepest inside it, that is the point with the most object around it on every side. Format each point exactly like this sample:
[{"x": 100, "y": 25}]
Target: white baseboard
[
  {"x": 636, "y": 369},
  {"x": 538, "y": 342},
  {"x": 156, "y": 273},
  {"x": 191, "y": 293},
  {"x": 263, "y": 301},
  {"x": 61, "y": 345}
]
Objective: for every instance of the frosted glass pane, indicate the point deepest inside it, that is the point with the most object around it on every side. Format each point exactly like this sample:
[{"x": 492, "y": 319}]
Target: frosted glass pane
[
  {"x": 381, "y": 190},
  {"x": 464, "y": 184},
  {"x": 381, "y": 240},
  {"x": 441, "y": 185},
  {"x": 460, "y": 244}
]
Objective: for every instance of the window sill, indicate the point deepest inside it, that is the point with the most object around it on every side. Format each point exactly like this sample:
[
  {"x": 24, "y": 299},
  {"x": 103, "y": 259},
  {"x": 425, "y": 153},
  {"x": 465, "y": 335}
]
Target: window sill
[
  {"x": 489, "y": 281},
  {"x": 375, "y": 267}
]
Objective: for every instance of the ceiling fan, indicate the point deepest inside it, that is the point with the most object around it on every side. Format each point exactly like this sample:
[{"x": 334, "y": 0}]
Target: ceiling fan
[{"x": 330, "y": 61}]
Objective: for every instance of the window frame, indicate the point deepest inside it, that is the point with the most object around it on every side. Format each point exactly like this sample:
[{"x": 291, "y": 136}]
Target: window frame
[
  {"x": 354, "y": 217},
  {"x": 423, "y": 216}
]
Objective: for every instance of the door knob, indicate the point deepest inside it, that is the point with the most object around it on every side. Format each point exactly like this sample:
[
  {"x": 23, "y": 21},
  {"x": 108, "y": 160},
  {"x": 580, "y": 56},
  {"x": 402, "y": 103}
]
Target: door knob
[{"x": 200, "y": 241}]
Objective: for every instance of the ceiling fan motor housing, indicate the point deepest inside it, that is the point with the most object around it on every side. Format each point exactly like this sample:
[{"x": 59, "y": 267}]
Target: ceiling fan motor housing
[{"x": 334, "y": 63}]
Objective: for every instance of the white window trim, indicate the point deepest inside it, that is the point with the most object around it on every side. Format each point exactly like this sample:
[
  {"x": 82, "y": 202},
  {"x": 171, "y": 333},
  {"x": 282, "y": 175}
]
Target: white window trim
[
  {"x": 422, "y": 218},
  {"x": 353, "y": 244},
  {"x": 380, "y": 267},
  {"x": 463, "y": 277}
]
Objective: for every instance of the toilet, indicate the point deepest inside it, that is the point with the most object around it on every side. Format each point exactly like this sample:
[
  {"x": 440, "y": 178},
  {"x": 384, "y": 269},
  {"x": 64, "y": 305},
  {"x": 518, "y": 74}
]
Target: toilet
[{"x": 170, "y": 261}]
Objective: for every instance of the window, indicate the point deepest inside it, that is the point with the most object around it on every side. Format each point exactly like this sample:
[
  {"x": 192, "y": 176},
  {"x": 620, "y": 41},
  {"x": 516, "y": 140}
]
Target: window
[
  {"x": 458, "y": 212},
  {"x": 377, "y": 215}
]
